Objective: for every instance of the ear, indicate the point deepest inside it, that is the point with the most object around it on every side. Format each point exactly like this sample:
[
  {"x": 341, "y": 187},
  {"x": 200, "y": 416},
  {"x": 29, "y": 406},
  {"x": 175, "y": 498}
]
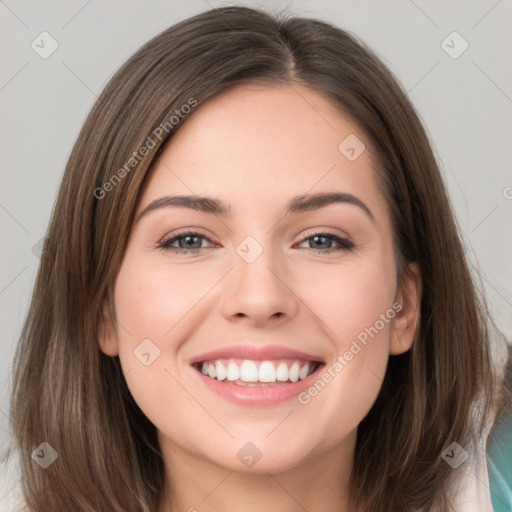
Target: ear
[
  {"x": 406, "y": 320},
  {"x": 107, "y": 335}
]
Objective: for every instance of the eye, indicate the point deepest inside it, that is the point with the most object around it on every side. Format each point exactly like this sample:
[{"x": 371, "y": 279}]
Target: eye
[
  {"x": 321, "y": 240},
  {"x": 190, "y": 242}
]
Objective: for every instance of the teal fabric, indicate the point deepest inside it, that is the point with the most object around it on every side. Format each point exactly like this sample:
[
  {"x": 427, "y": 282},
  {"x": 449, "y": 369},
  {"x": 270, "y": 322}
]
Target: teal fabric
[
  {"x": 499, "y": 454},
  {"x": 499, "y": 463}
]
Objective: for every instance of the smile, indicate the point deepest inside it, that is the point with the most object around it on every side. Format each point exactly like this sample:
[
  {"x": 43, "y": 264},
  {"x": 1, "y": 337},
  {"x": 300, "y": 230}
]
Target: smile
[
  {"x": 257, "y": 373},
  {"x": 245, "y": 387}
]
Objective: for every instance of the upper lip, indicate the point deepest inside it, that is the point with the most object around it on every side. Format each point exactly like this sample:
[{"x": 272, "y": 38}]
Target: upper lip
[{"x": 264, "y": 353}]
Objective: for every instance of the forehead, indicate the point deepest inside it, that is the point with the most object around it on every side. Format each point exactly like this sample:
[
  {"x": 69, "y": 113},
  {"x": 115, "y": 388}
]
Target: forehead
[{"x": 265, "y": 144}]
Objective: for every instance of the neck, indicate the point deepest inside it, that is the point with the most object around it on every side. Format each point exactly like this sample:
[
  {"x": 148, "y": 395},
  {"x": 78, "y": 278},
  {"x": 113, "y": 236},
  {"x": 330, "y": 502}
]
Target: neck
[{"x": 319, "y": 483}]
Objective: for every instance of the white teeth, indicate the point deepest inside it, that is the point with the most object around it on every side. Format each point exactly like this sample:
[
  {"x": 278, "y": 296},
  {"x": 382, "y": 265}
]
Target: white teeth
[
  {"x": 249, "y": 371},
  {"x": 221, "y": 371},
  {"x": 267, "y": 372},
  {"x": 233, "y": 372},
  {"x": 293, "y": 372},
  {"x": 257, "y": 371},
  {"x": 304, "y": 372},
  {"x": 282, "y": 372}
]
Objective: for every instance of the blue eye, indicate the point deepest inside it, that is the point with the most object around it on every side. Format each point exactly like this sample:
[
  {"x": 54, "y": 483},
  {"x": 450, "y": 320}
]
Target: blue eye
[
  {"x": 188, "y": 242},
  {"x": 344, "y": 244},
  {"x": 191, "y": 241}
]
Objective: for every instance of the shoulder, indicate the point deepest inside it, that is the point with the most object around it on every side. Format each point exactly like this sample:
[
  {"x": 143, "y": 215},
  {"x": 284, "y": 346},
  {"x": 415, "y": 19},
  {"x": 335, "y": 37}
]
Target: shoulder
[
  {"x": 473, "y": 492},
  {"x": 474, "y": 485}
]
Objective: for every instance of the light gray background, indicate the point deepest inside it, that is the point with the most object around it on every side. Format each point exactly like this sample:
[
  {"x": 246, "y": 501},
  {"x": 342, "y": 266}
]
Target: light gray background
[{"x": 466, "y": 105}]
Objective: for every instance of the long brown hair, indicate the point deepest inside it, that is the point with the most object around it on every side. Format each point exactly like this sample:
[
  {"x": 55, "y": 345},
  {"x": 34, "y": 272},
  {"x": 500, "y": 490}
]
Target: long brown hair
[{"x": 69, "y": 394}]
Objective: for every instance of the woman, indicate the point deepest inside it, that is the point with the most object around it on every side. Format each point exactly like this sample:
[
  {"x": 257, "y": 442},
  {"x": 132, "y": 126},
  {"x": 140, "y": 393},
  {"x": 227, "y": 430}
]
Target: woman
[{"x": 263, "y": 368}]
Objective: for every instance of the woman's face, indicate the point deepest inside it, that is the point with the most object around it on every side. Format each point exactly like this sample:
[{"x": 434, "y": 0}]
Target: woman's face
[{"x": 264, "y": 293}]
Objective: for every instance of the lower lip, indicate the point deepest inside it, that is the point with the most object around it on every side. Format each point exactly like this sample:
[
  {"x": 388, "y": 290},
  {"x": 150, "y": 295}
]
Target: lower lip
[{"x": 258, "y": 395}]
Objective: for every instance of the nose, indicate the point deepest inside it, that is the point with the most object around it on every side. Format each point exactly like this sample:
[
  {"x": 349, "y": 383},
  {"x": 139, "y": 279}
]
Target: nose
[{"x": 260, "y": 292}]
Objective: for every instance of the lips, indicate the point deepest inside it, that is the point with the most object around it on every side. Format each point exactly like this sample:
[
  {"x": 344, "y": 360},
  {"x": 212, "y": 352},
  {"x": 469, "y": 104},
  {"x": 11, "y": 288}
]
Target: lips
[
  {"x": 271, "y": 352},
  {"x": 258, "y": 376}
]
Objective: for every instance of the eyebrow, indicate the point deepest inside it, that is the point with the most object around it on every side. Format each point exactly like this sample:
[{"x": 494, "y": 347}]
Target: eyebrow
[{"x": 298, "y": 204}]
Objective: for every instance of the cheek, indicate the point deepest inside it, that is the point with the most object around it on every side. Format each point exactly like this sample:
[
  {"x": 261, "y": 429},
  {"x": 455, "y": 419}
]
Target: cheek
[
  {"x": 155, "y": 306},
  {"x": 150, "y": 301},
  {"x": 350, "y": 298},
  {"x": 363, "y": 320},
  {"x": 356, "y": 310},
  {"x": 154, "y": 300}
]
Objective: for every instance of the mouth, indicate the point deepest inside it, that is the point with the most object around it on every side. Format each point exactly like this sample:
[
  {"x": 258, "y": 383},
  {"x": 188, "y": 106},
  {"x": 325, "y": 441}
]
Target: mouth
[
  {"x": 254, "y": 382},
  {"x": 256, "y": 373}
]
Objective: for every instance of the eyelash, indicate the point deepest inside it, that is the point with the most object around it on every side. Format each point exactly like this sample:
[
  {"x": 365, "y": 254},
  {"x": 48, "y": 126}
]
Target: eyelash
[{"x": 344, "y": 243}]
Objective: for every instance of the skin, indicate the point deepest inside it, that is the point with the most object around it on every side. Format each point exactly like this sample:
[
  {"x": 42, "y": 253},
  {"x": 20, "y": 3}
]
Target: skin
[{"x": 255, "y": 147}]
